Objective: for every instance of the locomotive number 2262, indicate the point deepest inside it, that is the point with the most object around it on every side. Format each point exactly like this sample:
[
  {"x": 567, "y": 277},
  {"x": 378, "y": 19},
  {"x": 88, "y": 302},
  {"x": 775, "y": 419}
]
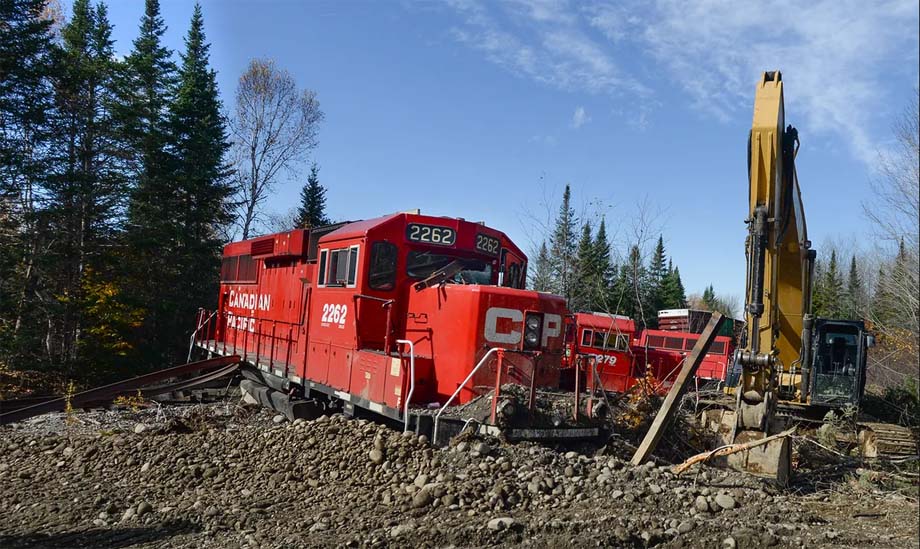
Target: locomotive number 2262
[
  {"x": 334, "y": 314},
  {"x": 430, "y": 234}
]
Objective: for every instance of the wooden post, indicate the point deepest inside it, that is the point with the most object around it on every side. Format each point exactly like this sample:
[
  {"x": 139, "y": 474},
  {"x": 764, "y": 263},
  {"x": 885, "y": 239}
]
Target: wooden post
[{"x": 672, "y": 401}]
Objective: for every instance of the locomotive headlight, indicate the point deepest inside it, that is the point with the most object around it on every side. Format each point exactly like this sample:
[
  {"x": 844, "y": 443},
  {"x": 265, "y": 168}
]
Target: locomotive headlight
[{"x": 533, "y": 330}]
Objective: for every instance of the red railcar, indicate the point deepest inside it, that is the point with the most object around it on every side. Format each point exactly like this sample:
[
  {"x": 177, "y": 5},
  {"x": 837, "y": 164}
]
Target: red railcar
[
  {"x": 624, "y": 356},
  {"x": 664, "y": 352},
  {"x": 371, "y": 314}
]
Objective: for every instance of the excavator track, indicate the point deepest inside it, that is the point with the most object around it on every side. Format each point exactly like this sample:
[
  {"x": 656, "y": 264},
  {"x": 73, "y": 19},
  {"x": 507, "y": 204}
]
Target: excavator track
[{"x": 886, "y": 440}]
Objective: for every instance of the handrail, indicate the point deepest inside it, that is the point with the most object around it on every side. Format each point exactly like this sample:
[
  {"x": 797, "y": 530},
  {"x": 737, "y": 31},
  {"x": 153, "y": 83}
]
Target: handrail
[
  {"x": 437, "y": 417},
  {"x": 411, "y": 381},
  {"x": 191, "y": 343}
]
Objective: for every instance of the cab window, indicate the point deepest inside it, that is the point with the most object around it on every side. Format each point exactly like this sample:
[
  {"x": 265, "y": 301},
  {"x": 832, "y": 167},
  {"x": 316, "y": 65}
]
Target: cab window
[
  {"x": 341, "y": 268},
  {"x": 382, "y": 270}
]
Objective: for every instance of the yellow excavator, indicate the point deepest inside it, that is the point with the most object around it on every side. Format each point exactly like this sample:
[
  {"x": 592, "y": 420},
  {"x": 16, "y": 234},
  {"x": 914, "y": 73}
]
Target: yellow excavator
[{"x": 789, "y": 366}]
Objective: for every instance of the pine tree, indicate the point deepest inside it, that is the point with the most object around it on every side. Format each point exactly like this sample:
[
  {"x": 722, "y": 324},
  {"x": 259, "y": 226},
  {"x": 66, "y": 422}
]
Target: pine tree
[
  {"x": 854, "y": 293},
  {"x": 563, "y": 247},
  {"x": 312, "y": 210},
  {"x": 202, "y": 189},
  {"x": 541, "y": 278}
]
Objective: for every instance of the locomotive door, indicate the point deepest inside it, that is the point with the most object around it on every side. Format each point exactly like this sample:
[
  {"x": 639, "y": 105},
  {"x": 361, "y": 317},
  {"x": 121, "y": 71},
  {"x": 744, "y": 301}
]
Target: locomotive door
[
  {"x": 373, "y": 308},
  {"x": 512, "y": 270}
]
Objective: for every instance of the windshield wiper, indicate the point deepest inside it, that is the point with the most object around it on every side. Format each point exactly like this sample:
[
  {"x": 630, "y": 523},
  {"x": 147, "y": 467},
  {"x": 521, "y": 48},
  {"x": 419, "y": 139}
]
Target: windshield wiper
[{"x": 441, "y": 275}]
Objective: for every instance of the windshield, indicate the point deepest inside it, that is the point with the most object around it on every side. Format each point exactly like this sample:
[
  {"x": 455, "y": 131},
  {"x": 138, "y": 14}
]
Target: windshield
[{"x": 421, "y": 265}]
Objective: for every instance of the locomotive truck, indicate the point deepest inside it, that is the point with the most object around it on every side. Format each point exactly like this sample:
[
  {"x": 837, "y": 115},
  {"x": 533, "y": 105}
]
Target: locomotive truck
[{"x": 419, "y": 319}]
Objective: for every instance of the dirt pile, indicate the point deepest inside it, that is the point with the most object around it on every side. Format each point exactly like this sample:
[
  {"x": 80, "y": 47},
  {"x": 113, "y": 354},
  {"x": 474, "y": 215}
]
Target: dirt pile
[{"x": 222, "y": 477}]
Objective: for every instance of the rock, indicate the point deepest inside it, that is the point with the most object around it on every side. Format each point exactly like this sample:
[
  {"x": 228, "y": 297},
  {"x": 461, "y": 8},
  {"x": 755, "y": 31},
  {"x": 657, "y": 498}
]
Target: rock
[
  {"x": 684, "y": 527},
  {"x": 422, "y": 498},
  {"x": 279, "y": 419},
  {"x": 616, "y": 494},
  {"x": 729, "y": 543},
  {"x": 143, "y": 508},
  {"x": 725, "y": 501},
  {"x": 482, "y": 448},
  {"x": 319, "y": 526},
  {"x": 654, "y": 488},
  {"x": 421, "y": 480},
  {"x": 501, "y": 523},
  {"x": 376, "y": 456},
  {"x": 139, "y": 428},
  {"x": 400, "y": 530},
  {"x": 145, "y": 467},
  {"x": 129, "y": 514},
  {"x": 701, "y": 504}
]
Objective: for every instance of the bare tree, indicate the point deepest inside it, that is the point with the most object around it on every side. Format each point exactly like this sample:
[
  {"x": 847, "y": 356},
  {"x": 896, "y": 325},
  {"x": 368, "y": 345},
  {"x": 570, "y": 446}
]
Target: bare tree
[
  {"x": 274, "y": 130},
  {"x": 895, "y": 213}
]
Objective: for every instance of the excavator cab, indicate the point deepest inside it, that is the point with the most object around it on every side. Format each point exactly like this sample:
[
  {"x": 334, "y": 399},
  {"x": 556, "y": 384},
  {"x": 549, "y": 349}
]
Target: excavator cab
[{"x": 838, "y": 372}]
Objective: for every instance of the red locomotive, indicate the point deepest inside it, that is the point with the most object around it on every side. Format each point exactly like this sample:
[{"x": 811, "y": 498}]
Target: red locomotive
[
  {"x": 379, "y": 314},
  {"x": 601, "y": 342}
]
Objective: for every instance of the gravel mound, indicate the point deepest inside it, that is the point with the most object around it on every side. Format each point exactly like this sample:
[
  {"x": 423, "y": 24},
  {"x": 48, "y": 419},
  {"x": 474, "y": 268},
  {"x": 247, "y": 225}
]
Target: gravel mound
[{"x": 219, "y": 478}]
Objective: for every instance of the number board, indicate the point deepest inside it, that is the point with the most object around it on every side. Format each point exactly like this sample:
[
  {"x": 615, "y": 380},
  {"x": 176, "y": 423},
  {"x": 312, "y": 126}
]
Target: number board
[
  {"x": 431, "y": 234},
  {"x": 487, "y": 244}
]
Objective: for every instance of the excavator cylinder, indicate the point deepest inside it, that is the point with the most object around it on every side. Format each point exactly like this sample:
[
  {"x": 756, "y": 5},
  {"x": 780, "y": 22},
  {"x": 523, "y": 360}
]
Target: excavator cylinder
[{"x": 808, "y": 323}]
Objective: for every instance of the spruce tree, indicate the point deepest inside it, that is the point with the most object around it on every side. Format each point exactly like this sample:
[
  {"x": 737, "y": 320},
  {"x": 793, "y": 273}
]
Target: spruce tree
[
  {"x": 201, "y": 186},
  {"x": 854, "y": 293},
  {"x": 833, "y": 290},
  {"x": 709, "y": 298},
  {"x": 603, "y": 268},
  {"x": 86, "y": 188},
  {"x": 312, "y": 210},
  {"x": 147, "y": 90},
  {"x": 541, "y": 277},
  {"x": 27, "y": 56},
  {"x": 657, "y": 271},
  {"x": 673, "y": 293},
  {"x": 583, "y": 290},
  {"x": 563, "y": 247}
]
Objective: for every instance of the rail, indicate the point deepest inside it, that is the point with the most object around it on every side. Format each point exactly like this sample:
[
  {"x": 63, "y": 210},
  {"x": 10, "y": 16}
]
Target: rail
[
  {"x": 483, "y": 360},
  {"x": 411, "y": 381}
]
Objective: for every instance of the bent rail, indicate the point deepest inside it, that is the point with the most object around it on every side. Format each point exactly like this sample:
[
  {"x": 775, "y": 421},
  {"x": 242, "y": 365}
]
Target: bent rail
[{"x": 107, "y": 392}]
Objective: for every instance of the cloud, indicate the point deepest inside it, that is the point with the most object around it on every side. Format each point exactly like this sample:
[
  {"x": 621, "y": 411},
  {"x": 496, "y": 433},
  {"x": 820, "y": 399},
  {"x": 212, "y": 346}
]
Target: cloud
[
  {"x": 838, "y": 57},
  {"x": 544, "y": 40},
  {"x": 580, "y": 117}
]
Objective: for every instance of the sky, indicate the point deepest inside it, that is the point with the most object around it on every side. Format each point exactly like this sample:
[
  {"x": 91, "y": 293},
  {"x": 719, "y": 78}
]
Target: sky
[{"x": 485, "y": 110}]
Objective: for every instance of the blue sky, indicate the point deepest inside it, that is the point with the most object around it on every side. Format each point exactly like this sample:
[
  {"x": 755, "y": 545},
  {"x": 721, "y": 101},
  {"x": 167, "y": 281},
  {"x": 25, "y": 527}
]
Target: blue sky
[{"x": 485, "y": 110}]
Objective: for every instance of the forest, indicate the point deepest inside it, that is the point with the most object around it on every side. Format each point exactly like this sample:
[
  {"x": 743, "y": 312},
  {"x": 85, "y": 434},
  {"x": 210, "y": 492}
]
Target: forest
[{"x": 121, "y": 178}]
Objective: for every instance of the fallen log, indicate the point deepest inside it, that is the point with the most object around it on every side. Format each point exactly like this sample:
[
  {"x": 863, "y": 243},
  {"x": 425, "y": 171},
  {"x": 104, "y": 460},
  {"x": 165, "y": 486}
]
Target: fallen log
[{"x": 728, "y": 450}]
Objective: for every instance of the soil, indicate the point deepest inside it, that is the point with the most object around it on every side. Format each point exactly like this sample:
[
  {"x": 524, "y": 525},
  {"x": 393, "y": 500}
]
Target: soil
[{"x": 226, "y": 476}]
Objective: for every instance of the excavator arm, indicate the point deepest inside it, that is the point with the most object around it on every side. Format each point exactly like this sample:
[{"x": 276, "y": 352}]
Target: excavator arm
[{"x": 779, "y": 269}]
